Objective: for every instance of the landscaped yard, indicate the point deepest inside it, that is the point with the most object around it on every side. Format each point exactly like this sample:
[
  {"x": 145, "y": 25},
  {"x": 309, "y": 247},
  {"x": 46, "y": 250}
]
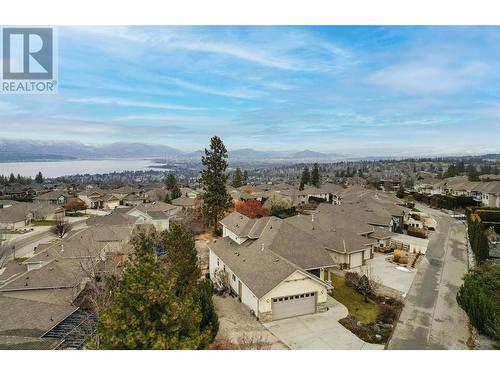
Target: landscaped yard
[{"x": 366, "y": 312}]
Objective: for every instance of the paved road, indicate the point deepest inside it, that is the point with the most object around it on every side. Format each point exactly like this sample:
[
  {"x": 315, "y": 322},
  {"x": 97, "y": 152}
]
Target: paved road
[
  {"x": 25, "y": 246},
  {"x": 431, "y": 318}
]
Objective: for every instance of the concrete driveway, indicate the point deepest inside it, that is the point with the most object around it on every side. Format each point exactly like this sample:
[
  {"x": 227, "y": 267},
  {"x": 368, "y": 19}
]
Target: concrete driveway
[
  {"x": 387, "y": 273},
  {"x": 320, "y": 331}
]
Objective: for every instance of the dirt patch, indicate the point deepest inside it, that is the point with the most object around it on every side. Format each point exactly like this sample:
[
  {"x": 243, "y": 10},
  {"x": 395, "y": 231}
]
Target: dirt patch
[{"x": 239, "y": 330}]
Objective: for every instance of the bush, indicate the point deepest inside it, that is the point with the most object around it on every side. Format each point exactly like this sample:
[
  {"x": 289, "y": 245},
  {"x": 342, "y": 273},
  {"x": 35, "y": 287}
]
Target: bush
[
  {"x": 416, "y": 232},
  {"x": 479, "y": 297},
  {"x": 217, "y": 232},
  {"x": 400, "y": 257},
  {"x": 387, "y": 313},
  {"x": 352, "y": 279}
]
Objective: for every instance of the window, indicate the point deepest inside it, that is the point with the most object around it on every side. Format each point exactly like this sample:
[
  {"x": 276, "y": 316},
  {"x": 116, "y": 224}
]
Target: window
[
  {"x": 217, "y": 262},
  {"x": 234, "y": 277}
]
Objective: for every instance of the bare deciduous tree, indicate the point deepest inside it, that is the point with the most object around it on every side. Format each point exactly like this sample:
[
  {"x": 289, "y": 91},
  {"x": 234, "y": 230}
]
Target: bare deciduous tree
[{"x": 61, "y": 228}]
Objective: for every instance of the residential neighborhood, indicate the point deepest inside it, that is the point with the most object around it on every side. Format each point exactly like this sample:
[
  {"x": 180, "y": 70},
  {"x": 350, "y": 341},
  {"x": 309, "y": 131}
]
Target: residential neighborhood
[
  {"x": 249, "y": 196},
  {"x": 282, "y": 255}
]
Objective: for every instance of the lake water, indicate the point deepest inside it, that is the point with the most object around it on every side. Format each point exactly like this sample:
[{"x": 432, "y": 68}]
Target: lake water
[{"x": 69, "y": 167}]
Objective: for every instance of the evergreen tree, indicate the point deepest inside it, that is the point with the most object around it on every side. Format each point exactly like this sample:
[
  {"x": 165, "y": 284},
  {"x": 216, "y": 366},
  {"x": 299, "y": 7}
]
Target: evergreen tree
[
  {"x": 315, "y": 177},
  {"x": 39, "y": 178},
  {"x": 176, "y": 192},
  {"x": 12, "y": 178},
  {"x": 305, "y": 178},
  {"x": 209, "y": 325},
  {"x": 237, "y": 178},
  {"x": 181, "y": 257},
  {"x": 170, "y": 181},
  {"x": 146, "y": 312},
  {"x": 472, "y": 173},
  {"x": 451, "y": 172},
  {"x": 167, "y": 198},
  {"x": 245, "y": 177},
  {"x": 216, "y": 199},
  {"x": 460, "y": 167}
]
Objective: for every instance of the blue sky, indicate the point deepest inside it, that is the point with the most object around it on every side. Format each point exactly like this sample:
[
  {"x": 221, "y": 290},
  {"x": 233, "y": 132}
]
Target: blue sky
[{"x": 351, "y": 90}]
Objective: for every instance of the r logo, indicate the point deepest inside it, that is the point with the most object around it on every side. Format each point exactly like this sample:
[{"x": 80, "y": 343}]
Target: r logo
[{"x": 27, "y": 53}]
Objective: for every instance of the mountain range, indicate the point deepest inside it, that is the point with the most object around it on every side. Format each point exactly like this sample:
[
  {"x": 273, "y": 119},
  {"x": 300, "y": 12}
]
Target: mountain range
[{"x": 32, "y": 150}]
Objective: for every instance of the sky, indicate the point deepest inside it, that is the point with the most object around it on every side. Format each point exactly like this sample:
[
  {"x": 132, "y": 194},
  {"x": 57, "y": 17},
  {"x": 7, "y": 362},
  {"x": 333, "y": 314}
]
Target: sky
[{"x": 360, "y": 91}]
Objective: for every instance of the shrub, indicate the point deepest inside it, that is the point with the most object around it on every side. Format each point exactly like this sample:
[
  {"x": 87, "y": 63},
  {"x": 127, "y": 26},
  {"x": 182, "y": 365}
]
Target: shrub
[
  {"x": 400, "y": 257},
  {"x": 479, "y": 297},
  {"x": 416, "y": 232},
  {"x": 352, "y": 279},
  {"x": 387, "y": 313}
]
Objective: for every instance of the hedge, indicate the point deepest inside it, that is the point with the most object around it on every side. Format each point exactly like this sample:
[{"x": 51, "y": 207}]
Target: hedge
[{"x": 479, "y": 297}]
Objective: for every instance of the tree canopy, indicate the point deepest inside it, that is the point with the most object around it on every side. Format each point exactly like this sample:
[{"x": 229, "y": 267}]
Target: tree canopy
[
  {"x": 315, "y": 177},
  {"x": 216, "y": 199},
  {"x": 305, "y": 178}
]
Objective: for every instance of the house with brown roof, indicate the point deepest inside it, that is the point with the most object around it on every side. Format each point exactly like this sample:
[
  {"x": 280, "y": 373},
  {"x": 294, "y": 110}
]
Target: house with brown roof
[
  {"x": 274, "y": 269},
  {"x": 100, "y": 199}
]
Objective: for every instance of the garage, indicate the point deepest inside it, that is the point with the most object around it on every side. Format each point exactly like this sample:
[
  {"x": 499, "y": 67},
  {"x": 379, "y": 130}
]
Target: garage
[
  {"x": 357, "y": 259},
  {"x": 301, "y": 304}
]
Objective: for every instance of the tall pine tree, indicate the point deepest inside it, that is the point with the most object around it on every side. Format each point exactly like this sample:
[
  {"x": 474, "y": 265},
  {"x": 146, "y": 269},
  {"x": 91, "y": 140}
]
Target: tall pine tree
[
  {"x": 238, "y": 179},
  {"x": 305, "y": 178},
  {"x": 315, "y": 177},
  {"x": 216, "y": 199}
]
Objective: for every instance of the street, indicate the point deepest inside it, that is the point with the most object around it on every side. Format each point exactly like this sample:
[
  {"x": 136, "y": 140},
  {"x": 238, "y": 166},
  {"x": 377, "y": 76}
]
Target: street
[
  {"x": 431, "y": 318},
  {"x": 24, "y": 246}
]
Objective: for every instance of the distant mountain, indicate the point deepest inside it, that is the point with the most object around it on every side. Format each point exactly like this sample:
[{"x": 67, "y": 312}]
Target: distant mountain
[
  {"x": 308, "y": 154},
  {"x": 30, "y": 150}
]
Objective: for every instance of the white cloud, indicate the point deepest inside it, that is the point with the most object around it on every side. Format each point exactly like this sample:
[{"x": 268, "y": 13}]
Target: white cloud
[
  {"x": 131, "y": 103},
  {"x": 428, "y": 76}
]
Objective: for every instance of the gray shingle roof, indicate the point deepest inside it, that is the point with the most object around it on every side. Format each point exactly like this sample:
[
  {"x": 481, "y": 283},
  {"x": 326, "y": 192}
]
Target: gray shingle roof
[{"x": 21, "y": 314}]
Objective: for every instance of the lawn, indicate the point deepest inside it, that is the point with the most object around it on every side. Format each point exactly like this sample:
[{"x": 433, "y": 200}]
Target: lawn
[
  {"x": 366, "y": 312},
  {"x": 39, "y": 223}
]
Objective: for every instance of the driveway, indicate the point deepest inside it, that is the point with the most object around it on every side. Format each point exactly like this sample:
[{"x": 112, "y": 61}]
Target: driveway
[
  {"x": 431, "y": 317},
  {"x": 388, "y": 274},
  {"x": 320, "y": 331}
]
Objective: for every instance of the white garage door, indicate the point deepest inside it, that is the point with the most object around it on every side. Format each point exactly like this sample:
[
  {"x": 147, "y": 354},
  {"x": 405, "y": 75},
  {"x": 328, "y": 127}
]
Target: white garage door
[
  {"x": 301, "y": 304},
  {"x": 356, "y": 259}
]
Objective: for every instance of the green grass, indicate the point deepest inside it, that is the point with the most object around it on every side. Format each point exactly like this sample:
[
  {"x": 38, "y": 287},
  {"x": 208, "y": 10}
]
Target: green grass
[
  {"x": 20, "y": 260},
  {"x": 40, "y": 223},
  {"x": 366, "y": 312}
]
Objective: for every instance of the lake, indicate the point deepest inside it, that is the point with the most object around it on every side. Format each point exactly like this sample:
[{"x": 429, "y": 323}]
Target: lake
[{"x": 70, "y": 167}]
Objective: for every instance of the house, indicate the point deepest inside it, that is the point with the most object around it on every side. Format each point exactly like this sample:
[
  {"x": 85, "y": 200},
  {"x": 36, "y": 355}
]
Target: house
[
  {"x": 54, "y": 197},
  {"x": 17, "y": 216},
  {"x": 185, "y": 202},
  {"x": 157, "y": 213},
  {"x": 100, "y": 199},
  {"x": 342, "y": 236},
  {"x": 275, "y": 270},
  {"x": 485, "y": 193},
  {"x": 329, "y": 193},
  {"x": 40, "y": 293},
  {"x": 17, "y": 191}
]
